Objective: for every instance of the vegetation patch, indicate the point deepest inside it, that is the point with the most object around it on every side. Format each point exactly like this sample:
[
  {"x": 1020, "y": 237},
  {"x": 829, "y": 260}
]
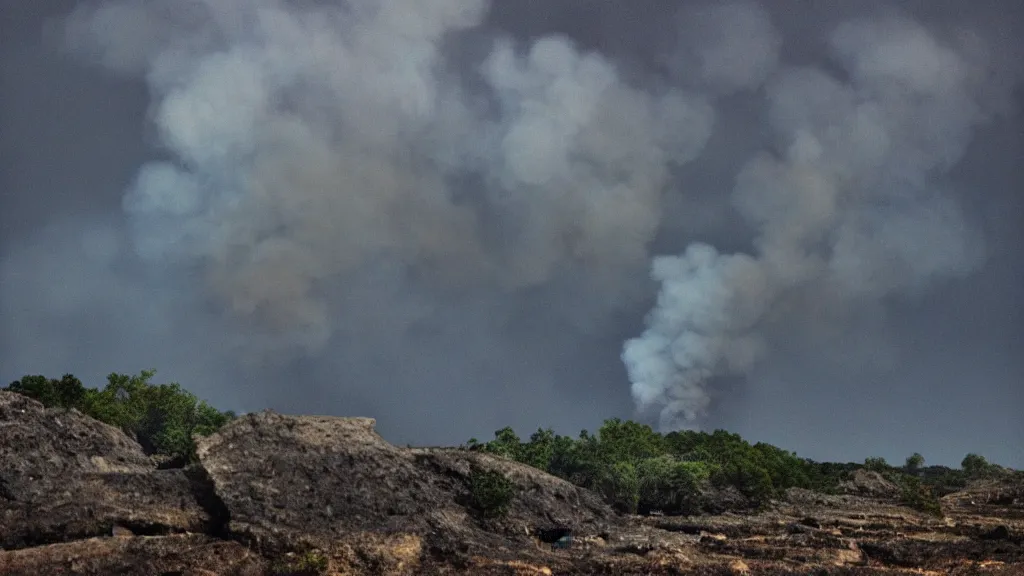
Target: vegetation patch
[
  {"x": 634, "y": 468},
  {"x": 163, "y": 418},
  {"x": 914, "y": 494},
  {"x": 490, "y": 492}
]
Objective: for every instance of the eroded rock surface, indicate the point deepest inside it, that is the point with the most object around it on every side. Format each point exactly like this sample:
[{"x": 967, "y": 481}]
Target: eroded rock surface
[
  {"x": 275, "y": 493},
  {"x": 65, "y": 476},
  {"x": 870, "y": 483},
  {"x": 179, "y": 554},
  {"x": 320, "y": 480}
]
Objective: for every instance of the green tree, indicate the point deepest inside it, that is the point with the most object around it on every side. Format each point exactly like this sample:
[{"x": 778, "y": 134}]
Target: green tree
[
  {"x": 576, "y": 460},
  {"x": 671, "y": 485},
  {"x": 621, "y": 487},
  {"x": 785, "y": 469},
  {"x": 68, "y": 392},
  {"x": 684, "y": 442},
  {"x": 914, "y": 463},
  {"x": 539, "y": 451},
  {"x": 877, "y": 464},
  {"x": 629, "y": 441},
  {"x": 163, "y": 418},
  {"x": 506, "y": 443},
  {"x": 976, "y": 466}
]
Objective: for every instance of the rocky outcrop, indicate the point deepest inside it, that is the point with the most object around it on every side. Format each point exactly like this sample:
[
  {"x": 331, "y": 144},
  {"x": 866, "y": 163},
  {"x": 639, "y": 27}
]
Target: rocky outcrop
[
  {"x": 869, "y": 483},
  {"x": 65, "y": 476},
  {"x": 178, "y": 554},
  {"x": 312, "y": 481},
  {"x": 275, "y": 495}
]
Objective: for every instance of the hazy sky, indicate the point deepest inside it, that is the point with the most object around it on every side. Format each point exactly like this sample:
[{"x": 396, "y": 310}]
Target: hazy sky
[{"x": 800, "y": 221}]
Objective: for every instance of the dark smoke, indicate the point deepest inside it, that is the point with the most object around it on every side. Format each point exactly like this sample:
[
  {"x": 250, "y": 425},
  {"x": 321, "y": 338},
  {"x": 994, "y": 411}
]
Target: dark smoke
[{"x": 851, "y": 205}]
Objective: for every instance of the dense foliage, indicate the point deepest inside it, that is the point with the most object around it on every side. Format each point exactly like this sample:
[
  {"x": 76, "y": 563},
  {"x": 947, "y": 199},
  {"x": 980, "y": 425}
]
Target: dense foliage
[
  {"x": 637, "y": 469},
  {"x": 162, "y": 417}
]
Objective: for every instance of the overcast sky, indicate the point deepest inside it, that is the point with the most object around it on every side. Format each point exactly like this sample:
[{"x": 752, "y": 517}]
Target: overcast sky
[{"x": 800, "y": 221}]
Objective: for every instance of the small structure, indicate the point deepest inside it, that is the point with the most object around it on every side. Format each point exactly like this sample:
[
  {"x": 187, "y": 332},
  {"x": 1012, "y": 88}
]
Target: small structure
[
  {"x": 559, "y": 538},
  {"x": 562, "y": 543}
]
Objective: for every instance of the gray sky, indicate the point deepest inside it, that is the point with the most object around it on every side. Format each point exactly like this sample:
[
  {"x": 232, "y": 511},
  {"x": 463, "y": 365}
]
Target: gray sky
[{"x": 799, "y": 221}]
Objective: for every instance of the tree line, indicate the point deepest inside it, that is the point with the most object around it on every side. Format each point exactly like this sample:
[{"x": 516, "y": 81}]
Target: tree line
[
  {"x": 634, "y": 468},
  {"x": 638, "y": 470}
]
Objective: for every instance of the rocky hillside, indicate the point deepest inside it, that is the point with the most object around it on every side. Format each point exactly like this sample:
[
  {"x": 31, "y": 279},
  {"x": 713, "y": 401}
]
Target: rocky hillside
[{"x": 276, "y": 495}]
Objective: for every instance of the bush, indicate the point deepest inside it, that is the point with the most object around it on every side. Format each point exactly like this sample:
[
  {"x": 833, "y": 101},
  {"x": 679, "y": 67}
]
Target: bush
[
  {"x": 916, "y": 495},
  {"x": 490, "y": 492},
  {"x": 876, "y": 464},
  {"x": 671, "y": 485},
  {"x": 162, "y": 418}
]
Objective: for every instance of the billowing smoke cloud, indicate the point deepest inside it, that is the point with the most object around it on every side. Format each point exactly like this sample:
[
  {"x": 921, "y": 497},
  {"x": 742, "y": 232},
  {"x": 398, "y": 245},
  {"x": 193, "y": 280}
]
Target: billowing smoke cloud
[
  {"x": 851, "y": 204},
  {"x": 312, "y": 143},
  {"x": 442, "y": 213}
]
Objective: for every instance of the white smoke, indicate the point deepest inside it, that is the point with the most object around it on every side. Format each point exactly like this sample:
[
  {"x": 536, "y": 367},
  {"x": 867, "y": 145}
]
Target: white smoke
[
  {"x": 852, "y": 202},
  {"x": 308, "y": 144},
  {"x": 318, "y": 156}
]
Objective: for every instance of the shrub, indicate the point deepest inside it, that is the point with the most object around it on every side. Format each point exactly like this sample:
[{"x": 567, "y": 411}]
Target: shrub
[
  {"x": 916, "y": 495},
  {"x": 876, "y": 464},
  {"x": 490, "y": 492}
]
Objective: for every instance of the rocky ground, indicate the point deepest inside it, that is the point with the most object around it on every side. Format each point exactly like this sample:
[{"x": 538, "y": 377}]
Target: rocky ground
[{"x": 276, "y": 495}]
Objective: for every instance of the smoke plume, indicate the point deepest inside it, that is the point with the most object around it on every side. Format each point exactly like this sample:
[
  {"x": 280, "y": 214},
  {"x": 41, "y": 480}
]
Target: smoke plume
[
  {"x": 851, "y": 204},
  {"x": 309, "y": 144},
  {"x": 453, "y": 215}
]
